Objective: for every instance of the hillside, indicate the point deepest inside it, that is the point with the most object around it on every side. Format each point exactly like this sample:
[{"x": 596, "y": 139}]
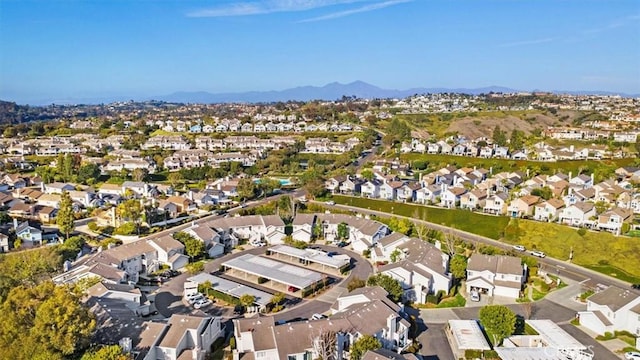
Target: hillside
[
  {"x": 11, "y": 113},
  {"x": 474, "y": 125}
]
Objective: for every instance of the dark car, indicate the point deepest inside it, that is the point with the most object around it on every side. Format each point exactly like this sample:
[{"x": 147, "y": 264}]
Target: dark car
[
  {"x": 342, "y": 244},
  {"x": 636, "y": 286},
  {"x": 331, "y": 253}
]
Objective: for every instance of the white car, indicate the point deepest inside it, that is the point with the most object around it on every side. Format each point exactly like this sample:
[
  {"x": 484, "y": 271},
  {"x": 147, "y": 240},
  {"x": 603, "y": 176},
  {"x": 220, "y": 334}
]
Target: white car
[
  {"x": 539, "y": 254},
  {"x": 192, "y": 295},
  {"x": 195, "y": 299},
  {"x": 317, "y": 316},
  {"x": 632, "y": 355},
  {"x": 331, "y": 202},
  {"x": 202, "y": 303},
  {"x": 474, "y": 296},
  {"x": 519, "y": 248}
]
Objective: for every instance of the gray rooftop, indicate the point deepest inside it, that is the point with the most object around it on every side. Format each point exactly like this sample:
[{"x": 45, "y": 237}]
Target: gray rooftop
[
  {"x": 232, "y": 288},
  {"x": 274, "y": 270},
  {"x": 315, "y": 256}
]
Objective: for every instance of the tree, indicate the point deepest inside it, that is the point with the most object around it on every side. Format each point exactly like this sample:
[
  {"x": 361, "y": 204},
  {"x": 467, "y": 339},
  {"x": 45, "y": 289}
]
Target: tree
[
  {"x": 247, "y": 300},
  {"x": 43, "y": 322},
  {"x": 88, "y": 173},
  {"x": 499, "y": 322},
  {"x": 364, "y": 344},
  {"x": 65, "y": 218},
  {"x": 324, "y": 343},
  {"x": 195, "y": 268},
  {"x": 174, "y": 178},
  {"x": 139, "y": 174},
  {"x": 401, "y": 225},
  {"x": 395, "y": 255},
  {"x": 516, "y": 141},
  {"x": 343, "y": 230},
  {"x": 391, "y": 285},
  {"x": 192, "y": 246},
  {"x": 106, "y": 352},
  {"x": 458, "y": 267},
  {"x": 246, "y": 189},
  {"x": 499, "y": 137},
  {"x": 131, "y": 211},
  {"x": 421, "y": 231},
  {"x": 355, "y": 283},
  {"x": 277, "y": 298},
  {"x": 315, "y": 187},
  {"x": 450, "y": 241},
  {"x": 367, "y": 174}
]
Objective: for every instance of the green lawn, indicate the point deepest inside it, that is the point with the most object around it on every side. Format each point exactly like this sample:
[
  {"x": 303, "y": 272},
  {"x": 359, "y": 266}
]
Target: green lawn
[
  {"x": 489, "y": 226},
  {"x": 600, "y": 251},
  {"x": 456, "y": 301}
]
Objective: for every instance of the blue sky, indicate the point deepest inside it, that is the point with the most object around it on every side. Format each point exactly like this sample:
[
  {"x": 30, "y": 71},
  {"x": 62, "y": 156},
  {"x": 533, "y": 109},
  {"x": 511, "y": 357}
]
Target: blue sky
[{"x": 77, "y": 49}]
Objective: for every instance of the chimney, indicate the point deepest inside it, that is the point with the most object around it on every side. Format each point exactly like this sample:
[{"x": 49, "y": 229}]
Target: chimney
[
  {"x": 15, "y": 223},
  {"x": 570, "y": 175},
  {"x": 491, "y": 170},
  {"x": 592, "y": 179}
]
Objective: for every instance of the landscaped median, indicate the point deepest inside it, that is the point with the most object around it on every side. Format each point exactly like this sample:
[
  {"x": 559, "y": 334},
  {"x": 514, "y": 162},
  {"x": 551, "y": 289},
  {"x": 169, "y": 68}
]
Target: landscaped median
[{"x": 616, "y": 256}]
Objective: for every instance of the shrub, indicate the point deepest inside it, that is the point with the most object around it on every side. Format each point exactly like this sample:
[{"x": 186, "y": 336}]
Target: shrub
[
  {"x": 93, "y": 226},
  {"x": 232, "y": 343},
  {"x": 490, "y": 355},
  {"x": 544, "y": 287},
  {"x": 582, "y": 231},
  {"x": 473, "y": 354},
  {"x": 366, "y": 253},
  {"x": 262, "y": 280},
  {"x": 432, "y": 299},
  {"x": 127, "y": 228},
  {"x": 224, "y": 297}
]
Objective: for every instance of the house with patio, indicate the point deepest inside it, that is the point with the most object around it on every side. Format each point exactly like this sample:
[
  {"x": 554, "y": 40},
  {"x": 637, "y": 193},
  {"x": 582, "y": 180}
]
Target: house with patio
[
  {"x": 613, "y": 219},
  {"x": 429, "y": 194},
  {"x": 371, "y": 189},
  {"x": 450, "y": 196},
  {"x": 498, "y": 275},
  {"x": 474, "y": 199}
]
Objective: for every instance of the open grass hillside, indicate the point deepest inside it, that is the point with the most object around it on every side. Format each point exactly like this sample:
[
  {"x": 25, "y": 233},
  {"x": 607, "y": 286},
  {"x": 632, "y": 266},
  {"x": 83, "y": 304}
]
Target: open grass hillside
[
  {"x": 482, "y": 123},
  {"x": 616, "y": 256}
]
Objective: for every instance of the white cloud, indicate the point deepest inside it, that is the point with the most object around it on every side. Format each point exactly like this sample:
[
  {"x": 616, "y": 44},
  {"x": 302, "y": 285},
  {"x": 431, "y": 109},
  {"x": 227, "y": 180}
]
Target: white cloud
[
  {"x": 266, "y": 7},
  {"x": 527, "y": 42},
  {"x": 371, "y": 7}
]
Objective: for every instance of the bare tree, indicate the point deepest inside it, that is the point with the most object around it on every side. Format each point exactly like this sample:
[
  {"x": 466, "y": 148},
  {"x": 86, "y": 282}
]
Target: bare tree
[
  {"x": 324, "y": 344},
  {"x": 421, "y": 231},
  {"x": 450, "y": 240}
]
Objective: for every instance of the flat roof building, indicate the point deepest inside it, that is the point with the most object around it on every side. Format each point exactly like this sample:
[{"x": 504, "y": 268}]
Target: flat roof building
[{"x": 465, "y": 335}]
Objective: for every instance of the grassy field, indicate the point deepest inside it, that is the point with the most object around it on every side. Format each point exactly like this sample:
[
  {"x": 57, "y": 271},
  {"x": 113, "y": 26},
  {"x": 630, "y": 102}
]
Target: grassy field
[
  {"x": 603, "y": 167},
  {"x": 489, "y": 226},
  {"x": 600, "y": 251}
]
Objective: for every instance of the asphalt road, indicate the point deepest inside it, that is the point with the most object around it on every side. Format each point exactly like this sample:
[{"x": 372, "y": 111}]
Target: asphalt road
[{"x": 562, "y": 268}]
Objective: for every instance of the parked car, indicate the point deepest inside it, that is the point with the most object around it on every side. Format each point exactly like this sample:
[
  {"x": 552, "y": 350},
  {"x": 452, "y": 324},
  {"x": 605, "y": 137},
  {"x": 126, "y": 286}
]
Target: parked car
[
  {"x": 331, "y": 202},
  {"x": 192, "y": 295},
  {"x": 636, "y": 286},
  {"x": 332, "y": 253},
  {"x": 342, "y": 244},
  {"x": 195, "y": 299},
  {"x": 317, "y": 316},
  {"x": 292, "y": 289},
  {"x": 474, "y": 296},
  {"x": 202, "y": 303},
  {"x": 519, "y": 248},
  {"x": 539, "y": 254},
  {"x": 632, "y": 355}
]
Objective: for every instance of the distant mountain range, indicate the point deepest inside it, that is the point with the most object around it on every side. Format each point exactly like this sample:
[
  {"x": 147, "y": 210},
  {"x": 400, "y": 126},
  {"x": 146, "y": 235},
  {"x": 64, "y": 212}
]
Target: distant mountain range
[
  {"x": 332, "y": 91},
  {"x": 336, "y": 90}
]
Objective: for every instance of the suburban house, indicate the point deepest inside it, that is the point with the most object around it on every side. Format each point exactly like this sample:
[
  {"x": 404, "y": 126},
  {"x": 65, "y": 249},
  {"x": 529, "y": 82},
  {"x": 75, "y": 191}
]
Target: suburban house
[
  {"x": 363, "y": 233},
  {"x": 548, "y": 210},
  {"x": 496, "y": 204},
  {"x": 612, "y": 220},
  {"x": 29, "y": 235},
  {"x": 522, "y": 206},
  {"x": 302, "y": 227},
  {"x": 4, "y": 243},
  {"x": 474, "y": 199},
  {"x": 578, "y": 214},
  {"x": 182, "y": 337},
  {"x": 211, "y": 239},
  {"x": 141, "y": 257},
  {"x": 422, "y": 269},
  {"x": 613, "y": 309},
  {"x": 495, "y": 275},
  {"x": 450, "y": 196},
  {"x": 428, "y": 194},
  {"x": 254, "y": 228},
  {"x": 125, "y": 294},
  {"x": 351, "y": 186},
  {"x": 371, "y": 189}
]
